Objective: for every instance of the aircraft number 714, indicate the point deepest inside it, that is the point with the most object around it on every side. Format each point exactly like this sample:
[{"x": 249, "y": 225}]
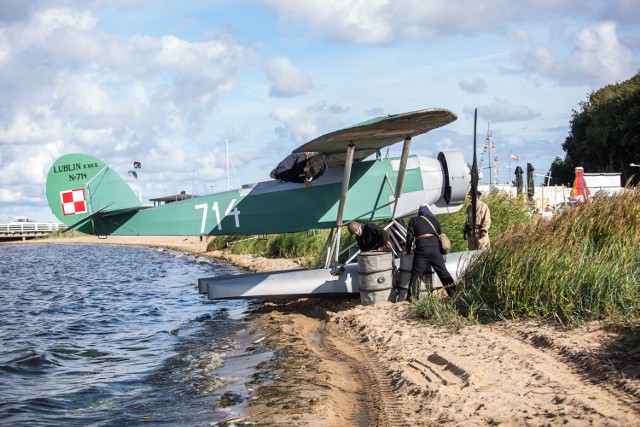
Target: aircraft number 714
[{"x": 204, "y": 206}]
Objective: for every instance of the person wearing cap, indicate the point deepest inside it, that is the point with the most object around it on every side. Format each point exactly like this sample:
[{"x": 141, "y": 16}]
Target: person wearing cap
[
  {"x": 480, "y": 238},
  {"x": 422, "y": 238},
  {"x": 298, "y": 167},
  {"x": 369, "y": 236}
]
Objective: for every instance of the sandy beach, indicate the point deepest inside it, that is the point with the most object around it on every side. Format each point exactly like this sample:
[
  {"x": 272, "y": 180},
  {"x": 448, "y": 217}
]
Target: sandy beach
[{"x": 345, "y": 364}]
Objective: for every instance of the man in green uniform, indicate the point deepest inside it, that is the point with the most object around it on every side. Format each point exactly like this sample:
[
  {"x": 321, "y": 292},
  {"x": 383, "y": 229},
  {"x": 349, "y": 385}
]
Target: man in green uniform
[{"x": 478, "y": 239}]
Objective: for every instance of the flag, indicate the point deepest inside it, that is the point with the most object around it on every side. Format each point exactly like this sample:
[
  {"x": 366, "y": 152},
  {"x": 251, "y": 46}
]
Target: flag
[
  {"x": 73, "y": 202},
  {"x": 514, "y": 157}
]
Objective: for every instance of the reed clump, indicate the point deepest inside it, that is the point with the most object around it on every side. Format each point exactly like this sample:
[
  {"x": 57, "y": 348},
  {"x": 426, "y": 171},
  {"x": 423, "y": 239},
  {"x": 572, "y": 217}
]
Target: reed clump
[
  {"x": 506, "y": 213},
  {"x": 583, "y": 264}
]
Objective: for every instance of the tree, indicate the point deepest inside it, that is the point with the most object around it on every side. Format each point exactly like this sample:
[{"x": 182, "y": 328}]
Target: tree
[
  {"x": 561, "y": 173},
  {"x": 605, "y": 133}
]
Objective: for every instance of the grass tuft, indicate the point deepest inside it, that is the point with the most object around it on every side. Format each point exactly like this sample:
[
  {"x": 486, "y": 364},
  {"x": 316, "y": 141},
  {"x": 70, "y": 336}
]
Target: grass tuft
[{"x": 438, "y": 311}]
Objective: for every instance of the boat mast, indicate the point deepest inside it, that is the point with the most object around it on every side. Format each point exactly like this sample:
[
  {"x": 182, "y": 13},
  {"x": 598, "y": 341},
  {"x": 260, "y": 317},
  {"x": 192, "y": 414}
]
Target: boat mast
[
  {"x": 226, "y": 142},
  {"x": 493, "y": 158}
]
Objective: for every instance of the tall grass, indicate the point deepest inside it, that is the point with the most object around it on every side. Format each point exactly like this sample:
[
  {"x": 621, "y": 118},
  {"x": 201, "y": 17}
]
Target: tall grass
[
  {"x": 306, "y": 245},
  {"x": 506, "y": 212},
  {"x": 581, "y": 265}
]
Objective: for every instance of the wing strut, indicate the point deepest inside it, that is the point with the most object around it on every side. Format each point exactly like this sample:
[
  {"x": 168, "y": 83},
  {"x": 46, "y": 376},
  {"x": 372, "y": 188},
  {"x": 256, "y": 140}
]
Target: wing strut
[
  {"x": 345, "y": 184},
  {"x": 334, "y": 248},
  {"x": 403, "y": 168},
  {"x": 335, "y": 245}
]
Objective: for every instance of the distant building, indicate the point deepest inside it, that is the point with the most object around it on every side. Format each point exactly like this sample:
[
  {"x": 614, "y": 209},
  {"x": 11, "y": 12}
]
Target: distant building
[
  {"x": 552, "y": 196},
  {"x": 608, "y": 183},
  {"x": 170, "y": 199},
  {"x": 20, "y": 219}
]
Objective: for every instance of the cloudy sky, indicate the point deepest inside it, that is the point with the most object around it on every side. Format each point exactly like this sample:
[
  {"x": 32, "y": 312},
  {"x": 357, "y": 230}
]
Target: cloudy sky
[{"x": 172, "y": 84}]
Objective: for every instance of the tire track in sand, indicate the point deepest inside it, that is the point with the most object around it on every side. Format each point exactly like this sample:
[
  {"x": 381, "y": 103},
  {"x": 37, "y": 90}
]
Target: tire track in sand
[{"x": 384, "y": 408}]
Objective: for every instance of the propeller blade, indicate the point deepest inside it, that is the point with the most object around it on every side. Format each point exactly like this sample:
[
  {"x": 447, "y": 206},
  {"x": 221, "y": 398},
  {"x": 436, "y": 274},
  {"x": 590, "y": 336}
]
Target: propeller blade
[{"x": 474, "y": 176}]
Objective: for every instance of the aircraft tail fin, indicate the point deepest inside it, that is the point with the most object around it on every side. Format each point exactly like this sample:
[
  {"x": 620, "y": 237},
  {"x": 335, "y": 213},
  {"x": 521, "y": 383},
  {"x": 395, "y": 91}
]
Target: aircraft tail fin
[{"x": 81, "y": 187}]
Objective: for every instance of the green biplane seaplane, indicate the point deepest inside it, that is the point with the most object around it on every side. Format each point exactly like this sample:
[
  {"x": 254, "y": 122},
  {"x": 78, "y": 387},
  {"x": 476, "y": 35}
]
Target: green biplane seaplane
[{"x": 86, "y": 194}]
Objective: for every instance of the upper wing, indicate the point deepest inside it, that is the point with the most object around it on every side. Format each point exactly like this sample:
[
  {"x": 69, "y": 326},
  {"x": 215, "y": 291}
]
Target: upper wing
[{"x": 376, "y": 133}]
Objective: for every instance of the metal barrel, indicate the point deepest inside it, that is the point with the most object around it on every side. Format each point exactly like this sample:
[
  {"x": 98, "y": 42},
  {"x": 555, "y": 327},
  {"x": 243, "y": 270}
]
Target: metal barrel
[
  {"x": 375, "y": 273},
  {"x": 404, "y": 275}
]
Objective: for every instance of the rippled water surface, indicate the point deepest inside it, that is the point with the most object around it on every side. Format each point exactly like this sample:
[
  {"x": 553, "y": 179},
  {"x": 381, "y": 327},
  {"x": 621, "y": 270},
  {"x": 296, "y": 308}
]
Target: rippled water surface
[{"x": 116, "y": 335}]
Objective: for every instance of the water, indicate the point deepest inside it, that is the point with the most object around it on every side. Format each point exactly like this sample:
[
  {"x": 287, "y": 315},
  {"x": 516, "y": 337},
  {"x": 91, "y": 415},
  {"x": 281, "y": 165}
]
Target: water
[{"x": 117, "y": 335}]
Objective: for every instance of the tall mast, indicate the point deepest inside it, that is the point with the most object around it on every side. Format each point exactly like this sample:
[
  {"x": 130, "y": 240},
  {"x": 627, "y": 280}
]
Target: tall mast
[
  {"x": 226, "y": 142},
  {"x": 489, "y": 143},
  {"x": 489, "y": 149}
]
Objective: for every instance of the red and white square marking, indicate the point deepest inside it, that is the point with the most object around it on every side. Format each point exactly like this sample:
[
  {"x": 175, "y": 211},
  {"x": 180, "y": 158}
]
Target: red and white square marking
[{"x": 73, "y": 202}]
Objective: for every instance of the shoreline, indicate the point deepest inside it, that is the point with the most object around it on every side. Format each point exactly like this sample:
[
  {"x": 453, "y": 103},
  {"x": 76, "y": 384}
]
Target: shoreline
[
  {"x": 190, "y": 244},
  {"x": 341, "y": 363}
]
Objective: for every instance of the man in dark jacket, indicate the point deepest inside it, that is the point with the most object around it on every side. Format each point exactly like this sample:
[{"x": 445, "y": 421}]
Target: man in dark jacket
[
  {"x": 297, "y": 167},
  {"x": 369, "y": 236},
  {"x": 422, "y": 233}
]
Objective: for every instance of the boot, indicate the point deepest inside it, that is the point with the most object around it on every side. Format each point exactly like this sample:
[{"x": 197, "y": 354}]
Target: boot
[{"x": 451, "y": 290}]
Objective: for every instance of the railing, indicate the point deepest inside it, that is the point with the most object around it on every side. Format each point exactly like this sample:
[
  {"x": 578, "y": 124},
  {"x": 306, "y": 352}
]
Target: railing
[{"x": 30, "y": 227}]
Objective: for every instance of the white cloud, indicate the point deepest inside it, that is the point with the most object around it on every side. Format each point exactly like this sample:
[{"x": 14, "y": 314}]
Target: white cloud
[
  {"x": 382, "y": 21},
  {"x": 303, "y": 125},
  {"x": 10, "y": 195},
  {"x": 600, "y": 56},
  {"x": 357, "y": 20},
  {"x": 69, "y": 86},
  {"x": 287, "y": 79},
  {"x": 597, "y": 58},
  {"x": 502, "y": 110},
  {"x": 475, "y": 86}
]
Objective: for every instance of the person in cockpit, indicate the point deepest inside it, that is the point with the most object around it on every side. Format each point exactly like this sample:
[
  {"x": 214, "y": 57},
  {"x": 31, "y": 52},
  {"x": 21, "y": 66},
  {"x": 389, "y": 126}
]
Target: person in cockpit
[{"x": 299, "y": 167}]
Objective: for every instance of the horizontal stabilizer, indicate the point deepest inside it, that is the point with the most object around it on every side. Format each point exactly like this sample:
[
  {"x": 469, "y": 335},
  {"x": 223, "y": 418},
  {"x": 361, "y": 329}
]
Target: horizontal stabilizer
[{"x": 84, "y": 220}]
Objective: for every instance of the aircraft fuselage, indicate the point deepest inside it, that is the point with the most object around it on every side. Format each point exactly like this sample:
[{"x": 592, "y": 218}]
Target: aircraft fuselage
[{"x": 273, "y": 207}]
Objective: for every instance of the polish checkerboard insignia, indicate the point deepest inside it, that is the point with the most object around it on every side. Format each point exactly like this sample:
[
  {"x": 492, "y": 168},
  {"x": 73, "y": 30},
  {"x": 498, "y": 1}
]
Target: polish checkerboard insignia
[{"x": 73, "y": 202}]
